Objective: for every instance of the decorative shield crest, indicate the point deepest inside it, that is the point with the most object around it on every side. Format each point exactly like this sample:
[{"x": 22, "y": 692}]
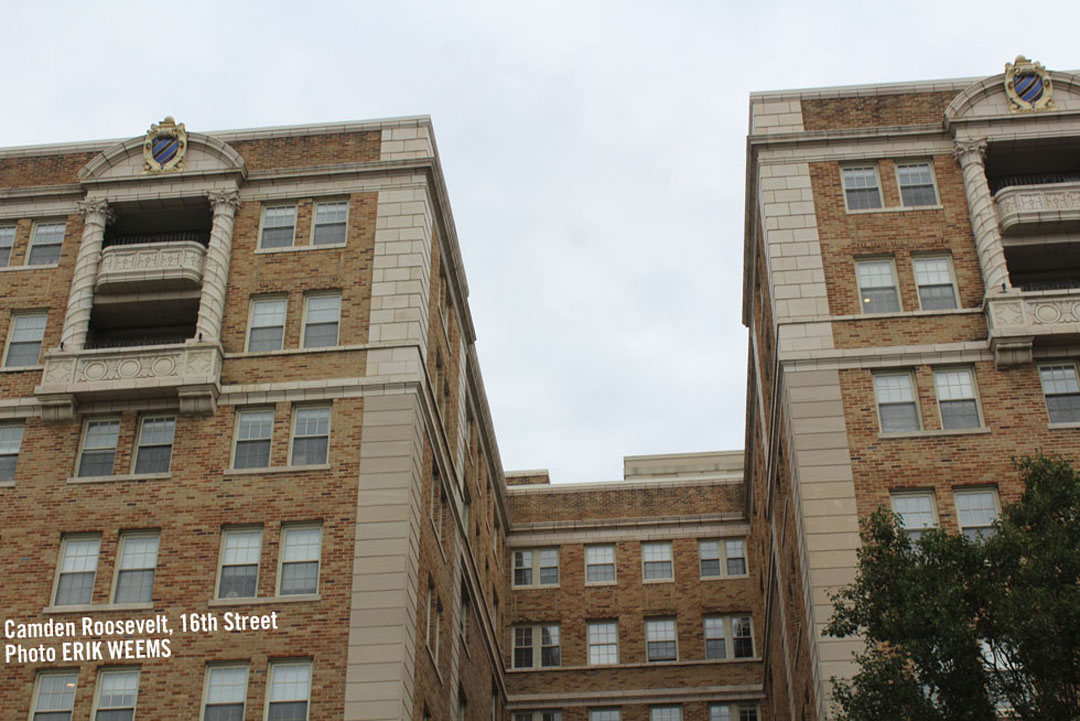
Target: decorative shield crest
[
  {"x": 165, "y": 146},
  {"x": 1028, "y": 85}
]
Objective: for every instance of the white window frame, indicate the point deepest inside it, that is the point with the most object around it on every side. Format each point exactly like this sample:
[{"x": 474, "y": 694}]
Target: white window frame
[
  {"x": 270, "y": 673},
  {"x": 536, "y": 647},
  {"x": 536, "y": 566},
  {"x": 11, "y": 435},
  {"x": 734, "y": 712},
  {"x": 649, "y": 548},
  {"x": 315, "y": 222},
  {"x": 915, "y": 259},
  {"x": 293, "y": 433},
  {"x": 38, "y": 225},
  {"x": 12, "y": 330},
  {"x": 240, "y": 413},
  {"x": 602, "y": 645},
  {"x": 652, "y": 628},
  {"x": 606, "y": 713},
  {"x": 980, "y": 530},
  {"x": 125, "y": 538},
  {"x": 547, "y": 714},
  {"x": 65, "y": 540},
  {"x": 898, "y": 164},
  {"x": 83, "y": 448},
  {"x": 614, "y": 566},
  {"x": 139, "y": 445},
  {"x": 914, "y": 532},
  {"x": 252, "y": 313},
  {"x": 337, "y": 322},
  {"x": 225, "y": 666},
  {"x": 263, "y": 226},
  {"x": 68, "y": 673},
  {"x": 666, "y": 712},
  {"x": 870, "y": 165},
  {"x": 1071, "y": 386},
  {"x": 970, "y": 370},
  {"x": 895, "y": 285},
  {"x": 115, "y": 670},
  {"x": 7, "y": 242},
  {"x": 727, "y": 627},
  {"x": 912, "y": 389},
  {"x": 286, "y": 530},
  {"x": 221, "y": 565},
  {"x": 723, "y": 557}
]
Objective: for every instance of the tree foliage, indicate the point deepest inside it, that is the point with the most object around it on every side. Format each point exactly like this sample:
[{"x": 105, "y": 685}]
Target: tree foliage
[{"x": 968, "y": 631}]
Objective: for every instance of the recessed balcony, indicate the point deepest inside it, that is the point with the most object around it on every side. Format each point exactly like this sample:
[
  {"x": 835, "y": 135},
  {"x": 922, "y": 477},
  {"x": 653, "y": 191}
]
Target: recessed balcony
[
  {"x": 1043, "y": 208},
  {"x": 151, "y": 262}
]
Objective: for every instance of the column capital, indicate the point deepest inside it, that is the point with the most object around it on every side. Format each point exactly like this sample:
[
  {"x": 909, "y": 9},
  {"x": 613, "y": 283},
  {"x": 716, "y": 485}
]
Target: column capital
[
  {"x": 970, "y": 151},
  {"x": 97, "y": 207},
  {"x": 224, "y": 201}
]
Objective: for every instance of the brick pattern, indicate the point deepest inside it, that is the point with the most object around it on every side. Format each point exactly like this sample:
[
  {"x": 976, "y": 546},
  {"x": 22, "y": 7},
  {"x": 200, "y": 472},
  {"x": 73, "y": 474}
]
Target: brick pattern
[{"x": 875, "y": 111}]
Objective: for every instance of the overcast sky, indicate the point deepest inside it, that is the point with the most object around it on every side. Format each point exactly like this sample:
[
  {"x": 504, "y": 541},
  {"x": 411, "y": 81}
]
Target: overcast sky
[{"x": 594, "y": 154}]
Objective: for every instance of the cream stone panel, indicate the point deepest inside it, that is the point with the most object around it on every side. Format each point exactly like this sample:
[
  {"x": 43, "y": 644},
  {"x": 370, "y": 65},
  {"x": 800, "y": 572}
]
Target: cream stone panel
[
  {"x": 407, "y": 143},
  {"x": 775, "y": 116}
]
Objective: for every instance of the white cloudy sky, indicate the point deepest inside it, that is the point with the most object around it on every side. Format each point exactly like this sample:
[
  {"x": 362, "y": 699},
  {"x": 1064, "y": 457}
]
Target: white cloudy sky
[{"x": 594, "y": 153}]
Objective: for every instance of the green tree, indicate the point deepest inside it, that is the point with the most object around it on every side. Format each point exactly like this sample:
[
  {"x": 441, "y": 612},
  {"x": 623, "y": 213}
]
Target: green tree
[{"x": 966, "y": 631}]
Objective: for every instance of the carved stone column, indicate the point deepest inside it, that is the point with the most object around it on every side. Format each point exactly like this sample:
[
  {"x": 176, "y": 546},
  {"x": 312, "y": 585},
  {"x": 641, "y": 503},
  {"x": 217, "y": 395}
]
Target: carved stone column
[
  {"x": 216, "y": 268},
  {"x": 971, "y": 155},
  {"x": 81, "y": 296}
]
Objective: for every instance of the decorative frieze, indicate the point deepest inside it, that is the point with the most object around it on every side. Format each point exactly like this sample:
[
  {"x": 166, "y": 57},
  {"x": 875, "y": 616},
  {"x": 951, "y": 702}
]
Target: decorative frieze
[
  {"x": 157, "y": 266},
  {"x": 1015, "y": 321},
  {"x": 1037, "y": 208}
]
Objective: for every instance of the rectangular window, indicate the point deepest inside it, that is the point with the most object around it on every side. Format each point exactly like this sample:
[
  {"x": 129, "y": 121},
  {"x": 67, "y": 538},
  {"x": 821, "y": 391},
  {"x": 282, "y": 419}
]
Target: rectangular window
[
  {"x": 278, "y": 228},
  {"x": 605, "y": 714},
  {"x": 861, "y": 188},
  {"x": 956, "y": 398},
  {"x": 226, "y": 692},
  {"x": 1059, "y": 383},
  {"x": 656, "y": 559},
  {"x": 540, "y": 564},
  {"x": 733, "y": 712},
  {"x": 877, "y": 286},
  {"x": 603, "y": 642},
  {"x": 76, "y": 571},
  {"x": 735, "y": 555},
  {"x": 45, "y": 244},
  {"x": 135, "y": 567},
  {"x": 7, "y": 239},
  {"x": 537, "y": 646},
  {"x": 728, "y": 637},
  {"x": 709, "y": 558},
  {"x": 54, "y": 695},
  {"x": 117, "y": 692},
  {"x": 665, "y": 713},
  {"x": 599, "y": 564},
  {"x": 660, "y": 639},
  {"x": 311, "y": 435},
  {"x": 289, "y": 691},
  {"x": 241, "y": 549},
  {"x": 743, "y": 636},
  {"x": 916, "y": 182},
  {"x": 976, "y": 510},
  {"x": 99, "y": 447},
  {"x": 267, "y": 331},
  {"x": 10, "y": 443},
  {"x": 897, "y": 408},
  {"x": 254, "y": 429},
  {"x": 330, "y": 220},
  {"x": 916, "y": 512},
  {"x": 933, "y": 276},
  {"x": 24, "y": 339},
  {"x": 301, "y": 551},
  {"x": 722, "y": 557},
  {"x": 715, "y": 637},
  {"x": 546, "y": 715},
  {"x": 154, "y": 452},
  {"x": 321, "y": 316}
]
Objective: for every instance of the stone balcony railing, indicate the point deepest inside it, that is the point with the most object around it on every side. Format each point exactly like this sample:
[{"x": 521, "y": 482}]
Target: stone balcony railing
[
  {"x": 1018, "y": 320},
  {"x": 189, "y": 371},
  {"x": 1026, "y": 209},
  {"x": 151, "y": 266}
]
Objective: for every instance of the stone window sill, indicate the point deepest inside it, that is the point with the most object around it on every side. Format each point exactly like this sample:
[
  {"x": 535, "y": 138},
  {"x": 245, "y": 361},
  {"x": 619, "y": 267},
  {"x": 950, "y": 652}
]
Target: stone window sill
[
  {"x": 657, "y": 580},
  {"x": 19, "y": 369},
  {"x": 934, "y": 433},
  {"x": 263, "y": 600},
  {"x": 299, "y": 248},
  {"x": 85, "y": 607},
  {"x": 641, "y": 664},
  {"x": 294, "y": 351},
  {"x": 8, "y": 268},
  {"x": 907, "y": 314},
  {"x": 7, "y": 484},
  {"x": 1062, "y": 426},
  {"x": 276, "y": 470},
  {"x": 121, "y": 477},
  {"x": 729, "y": 577},
  {"x": 603, "y": 583},
  {"x": 896, "y": 209}
]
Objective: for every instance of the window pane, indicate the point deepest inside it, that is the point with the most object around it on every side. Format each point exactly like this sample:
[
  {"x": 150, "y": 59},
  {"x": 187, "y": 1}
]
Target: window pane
[
  {"x": 56, "y": 692},
  {"x": 46, "y": 243},
  {"x": 7, "y": 239},
  {"x": 954, "y": 384},
  {"x": 1059, "y": 379},
  {"x": 238, "y": 581},
  {"x": 309, "y": 451},
  {"x": 736, "y": 557},
  {"x": 719, "y": 712},
  {"x": 330, "y": 223},
  {"x": 599, "y": 554},
  {"x": 860, "y": 186},
  {"x": 252, "y": 454},
  {"x": 278, "y": 226},
  {"x": 916, "y": 184},
  {"x": 665, "y": 713},
  {"x": 10, "y": 443},
  {"x": 299, "y": 578},
  {"x": 24, "y": 345},
  {"x": 290, "y": 682},
  {"x": 976, "y": 508},
  {"x": 916, "y": 511},
  {"x": 601, "y": 573},
  {"x": 1064, "y": 409},
  {"x": 224, "y": 712},
  {"x": 899, "y": 417},
  {"x": 937, "y": 297},
  {"x": 288, "y": 711},
  {"x": 959, "y": 414}
]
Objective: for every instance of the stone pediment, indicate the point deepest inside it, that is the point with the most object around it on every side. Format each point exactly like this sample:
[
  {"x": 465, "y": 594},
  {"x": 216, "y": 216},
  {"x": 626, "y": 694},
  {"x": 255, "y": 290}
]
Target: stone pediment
[
  {"x": 988, "y": 99},
  {"x": 127, "y": 161}
]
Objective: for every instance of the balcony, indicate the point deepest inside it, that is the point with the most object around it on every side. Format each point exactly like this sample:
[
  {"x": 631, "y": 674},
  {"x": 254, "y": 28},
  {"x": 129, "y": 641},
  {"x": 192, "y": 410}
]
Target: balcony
[
  {"x": 1019, "y": 320},
  {"x": 189, "y": 371},
  {"x": 1050, "y": 207},
  {"x": 161, "y": 261}
]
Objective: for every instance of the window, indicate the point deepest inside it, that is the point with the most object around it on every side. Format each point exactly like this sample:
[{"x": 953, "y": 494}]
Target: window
[
  {"x": 548, "y": 715},
  {"x": 861, "y": 188},
  {"x": 289, "y": 691},
  {"x": 54, "y": 695},
  {"x": 279, "y": 224},
  {"x": 117, "y": 692},
  {"x": 10, "y": 442},
  {"x": 956, "y": 398},
  {"x": 603, "y": 642},
  {"x": 226, "y": 692},
  {"x": 253, "y": 431},
  {"x": 656, "y": 559},
  {"x": 715, "y": 637},
  {"x": 321, "y": 315},
  {"x": 728, "y": 637},
  {"x": 154, "y": 451},
  {"x": 135, "y": 568},
  {"x": 537, "y": 646},
  {"x": 733, "y": 712},
  {"x": 599, "y": 564},
  {"x": 933, "y": 276},
  {"x": 99, "y": 447},
  {"x": 24, "y": 340},
  {"x": 1062, "y": 391},
  {"x": 434, "y": 620},
  {"x": 976, "y": 510},
  {"x": 45, "y": 244},
  {"x": 7, "y": 239},
  {"x": 311, "y": 435},
  {"x": 916, "y": 182},
  {"x": 267, "y": 331},
  {"x": 241, "y": 549},
  {"x": 541, "y": 564},
  {"x": 330, "y": 221},
  {"x": 300, "y": 554},
  {"x": 605, "y": 714},
  {"x": 897, "y": 408},
  {"x": 76, "y": 570},
  {"x": 660, "y": 639},
  {"x": 877, "y": 286},
  {"x": 717, "y": 556},
  {"x": 665, "y": 713},
  {"x": 916, "y": 512}
]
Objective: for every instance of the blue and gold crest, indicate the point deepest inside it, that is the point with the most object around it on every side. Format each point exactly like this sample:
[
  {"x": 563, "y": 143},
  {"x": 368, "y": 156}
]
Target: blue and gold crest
[
  {"x": 1028, "y": 85},
  {"x": 165, "y": 146}
]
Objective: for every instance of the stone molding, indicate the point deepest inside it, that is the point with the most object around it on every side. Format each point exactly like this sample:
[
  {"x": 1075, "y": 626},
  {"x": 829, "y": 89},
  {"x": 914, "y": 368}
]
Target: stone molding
[
  {"x": 1036, "y": 208},
  {"x": 971, "y": 154},
  {"x": 1015, "y": 321},
  {"x": 157, "y": 266},
  {"x": 81, "y": 296},
  {"x": 216, "y": 267}
]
